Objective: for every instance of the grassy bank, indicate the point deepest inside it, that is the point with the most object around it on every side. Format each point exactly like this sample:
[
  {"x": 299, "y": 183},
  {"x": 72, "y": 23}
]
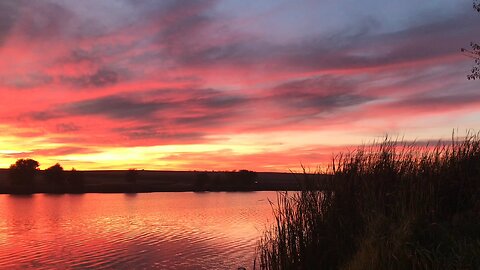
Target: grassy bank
[{"x": 388, "y": 206}]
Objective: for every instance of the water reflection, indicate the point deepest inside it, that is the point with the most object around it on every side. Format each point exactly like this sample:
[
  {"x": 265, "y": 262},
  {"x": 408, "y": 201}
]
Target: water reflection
[{"x": 162, "y": 230}]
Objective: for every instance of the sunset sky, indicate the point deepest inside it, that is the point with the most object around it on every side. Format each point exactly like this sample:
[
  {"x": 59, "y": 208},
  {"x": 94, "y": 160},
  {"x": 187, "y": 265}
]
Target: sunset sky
[{"x": 222, "y": 85}]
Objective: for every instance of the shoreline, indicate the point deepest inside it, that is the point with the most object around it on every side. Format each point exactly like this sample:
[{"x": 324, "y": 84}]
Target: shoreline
[{"x": 146, "y": 181}]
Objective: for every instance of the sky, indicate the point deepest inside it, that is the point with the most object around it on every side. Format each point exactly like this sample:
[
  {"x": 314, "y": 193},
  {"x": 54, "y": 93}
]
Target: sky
[{"x": 221, "y": 85}]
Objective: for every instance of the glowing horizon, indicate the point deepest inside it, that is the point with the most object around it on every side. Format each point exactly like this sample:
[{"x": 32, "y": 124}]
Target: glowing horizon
[{"x": 225, "y": 85}]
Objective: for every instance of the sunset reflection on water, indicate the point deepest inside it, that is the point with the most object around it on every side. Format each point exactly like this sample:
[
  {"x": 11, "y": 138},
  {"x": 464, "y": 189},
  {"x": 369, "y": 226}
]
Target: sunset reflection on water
[{"x": 151, "y": 230}]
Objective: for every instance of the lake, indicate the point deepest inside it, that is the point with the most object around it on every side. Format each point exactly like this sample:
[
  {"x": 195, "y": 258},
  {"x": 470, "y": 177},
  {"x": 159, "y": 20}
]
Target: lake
[{"x": 177, "y": 230}]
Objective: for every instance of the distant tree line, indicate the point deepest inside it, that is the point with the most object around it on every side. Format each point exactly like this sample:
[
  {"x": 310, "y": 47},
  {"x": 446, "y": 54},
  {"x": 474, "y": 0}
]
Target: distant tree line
[
  {"x": 23, "y": 172},
  {"x": 234, "y": 180},
  {"x": 26, "y": 178}
]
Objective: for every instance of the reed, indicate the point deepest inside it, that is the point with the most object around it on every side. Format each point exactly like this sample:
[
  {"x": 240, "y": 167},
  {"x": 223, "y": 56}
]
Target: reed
[{"x": 390, "y": 205}]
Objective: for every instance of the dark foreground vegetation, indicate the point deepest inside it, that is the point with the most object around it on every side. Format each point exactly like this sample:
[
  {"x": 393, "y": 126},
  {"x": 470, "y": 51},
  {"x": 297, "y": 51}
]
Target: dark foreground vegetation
[
  {"x": 24, "y": 177},
  {"x": 388, "y": 206}
]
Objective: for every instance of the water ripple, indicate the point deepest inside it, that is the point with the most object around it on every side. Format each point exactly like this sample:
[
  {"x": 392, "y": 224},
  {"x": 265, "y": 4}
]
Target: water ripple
[{"x": 149, "y": 231}]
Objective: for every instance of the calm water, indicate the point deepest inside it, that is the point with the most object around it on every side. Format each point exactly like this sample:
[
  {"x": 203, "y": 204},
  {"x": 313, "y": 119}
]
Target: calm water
[{"x": 152, "y": 230}]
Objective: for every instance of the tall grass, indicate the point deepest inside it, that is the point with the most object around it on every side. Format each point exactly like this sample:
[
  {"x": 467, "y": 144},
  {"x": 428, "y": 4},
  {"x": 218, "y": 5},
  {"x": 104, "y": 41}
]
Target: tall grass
[{"x": 391, "y": 205}]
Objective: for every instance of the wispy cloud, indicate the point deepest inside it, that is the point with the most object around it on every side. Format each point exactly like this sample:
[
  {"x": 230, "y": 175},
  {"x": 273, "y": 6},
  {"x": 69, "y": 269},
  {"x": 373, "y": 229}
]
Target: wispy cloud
[{"x": 127, "y": 73}]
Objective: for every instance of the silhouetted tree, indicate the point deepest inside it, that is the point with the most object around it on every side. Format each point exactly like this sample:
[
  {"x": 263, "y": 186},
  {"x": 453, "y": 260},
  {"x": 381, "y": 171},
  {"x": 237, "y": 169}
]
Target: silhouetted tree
[
  {"x": 55, "y": 174},
  {"x": 76, "y": 181},
  {"x": 474, "y": 51},
  {"x": 23, "y": 171}
]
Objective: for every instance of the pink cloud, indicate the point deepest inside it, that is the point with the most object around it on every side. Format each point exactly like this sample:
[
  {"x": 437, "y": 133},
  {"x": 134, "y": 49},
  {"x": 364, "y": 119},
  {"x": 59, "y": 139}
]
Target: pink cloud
[{"x": 181, "y": 73}]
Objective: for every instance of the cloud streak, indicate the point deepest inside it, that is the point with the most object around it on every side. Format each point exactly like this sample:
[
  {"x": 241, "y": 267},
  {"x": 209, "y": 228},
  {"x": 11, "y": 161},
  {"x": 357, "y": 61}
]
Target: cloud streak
[{"x": 126, "y": 73}]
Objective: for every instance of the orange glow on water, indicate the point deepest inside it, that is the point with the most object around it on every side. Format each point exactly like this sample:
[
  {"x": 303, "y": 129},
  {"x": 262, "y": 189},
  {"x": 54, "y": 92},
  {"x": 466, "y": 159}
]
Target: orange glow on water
[{"x": 219, "y": 230}]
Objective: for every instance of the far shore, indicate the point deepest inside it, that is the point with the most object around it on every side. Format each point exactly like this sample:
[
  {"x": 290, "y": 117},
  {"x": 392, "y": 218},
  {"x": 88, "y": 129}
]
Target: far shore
[{"x": 115, "y": 181}]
